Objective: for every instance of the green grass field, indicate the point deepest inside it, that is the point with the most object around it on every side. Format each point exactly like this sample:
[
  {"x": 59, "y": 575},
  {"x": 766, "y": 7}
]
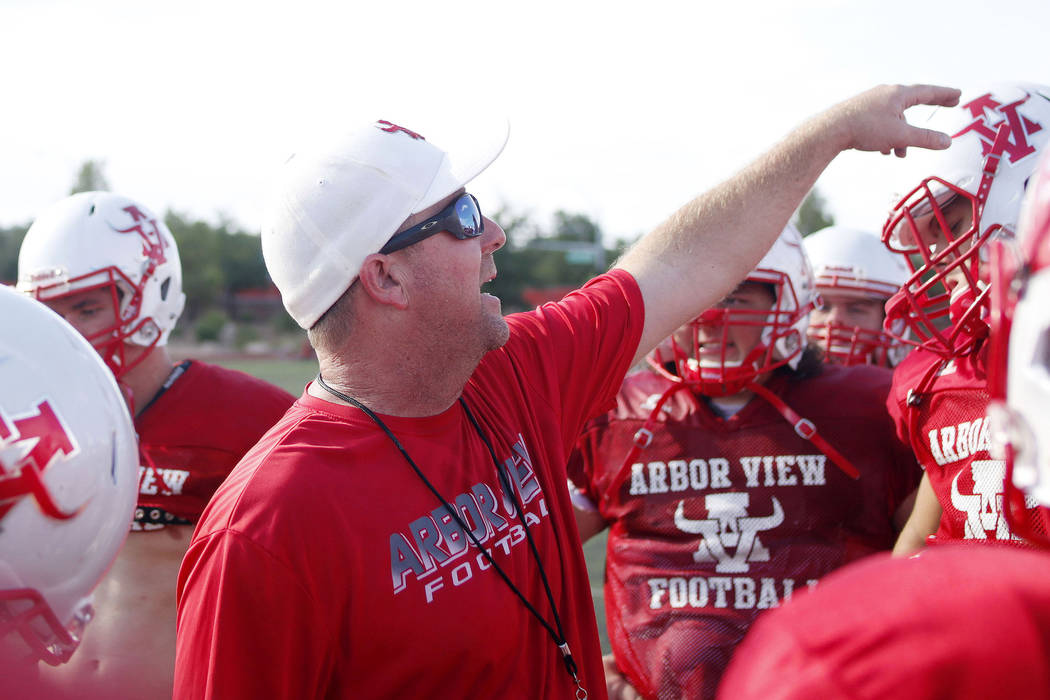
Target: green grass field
[{"x": 292, "y": 376}]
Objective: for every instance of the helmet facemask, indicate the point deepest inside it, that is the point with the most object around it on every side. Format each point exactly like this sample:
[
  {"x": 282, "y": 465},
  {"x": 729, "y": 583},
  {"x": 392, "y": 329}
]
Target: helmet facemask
[
  {"x": 25, "y": 612},
  {"x": 708, "y": 359},
  {"x": 944, "y": 302},
  {"x": 852, "y": 345},
  {"x": 128, "y": 327}
]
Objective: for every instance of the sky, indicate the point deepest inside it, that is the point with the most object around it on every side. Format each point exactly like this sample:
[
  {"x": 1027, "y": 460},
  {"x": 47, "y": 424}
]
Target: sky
[{"x": 620, "y": 111}]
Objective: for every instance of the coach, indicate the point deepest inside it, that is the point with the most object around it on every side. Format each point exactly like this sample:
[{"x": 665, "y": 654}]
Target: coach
[{"x": 405, "y": 530}]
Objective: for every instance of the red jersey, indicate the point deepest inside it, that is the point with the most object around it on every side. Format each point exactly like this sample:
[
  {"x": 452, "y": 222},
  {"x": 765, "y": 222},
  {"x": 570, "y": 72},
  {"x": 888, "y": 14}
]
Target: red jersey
[
  {"x": 966, "y": 623},
  {"x": 324, "y": 567},
  {"x": 940, "y": 407},
  {"x": 720, "y": 519},
  {"x": 193, "y": 433}
]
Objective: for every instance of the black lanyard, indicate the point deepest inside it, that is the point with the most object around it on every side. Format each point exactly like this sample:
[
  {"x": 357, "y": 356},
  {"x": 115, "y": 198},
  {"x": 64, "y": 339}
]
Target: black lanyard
[{"x": 557, "y": 635}]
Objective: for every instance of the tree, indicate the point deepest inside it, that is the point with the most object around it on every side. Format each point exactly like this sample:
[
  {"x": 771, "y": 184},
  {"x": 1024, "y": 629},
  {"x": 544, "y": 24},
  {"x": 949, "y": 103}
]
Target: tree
[
  {"x": 90, "y": 178},
  {"x": 811, "y": 215},
  {"x": 202, "y": 271},
  {"x": 10, "y": 243},
  {"x": 566, "y": 253}
]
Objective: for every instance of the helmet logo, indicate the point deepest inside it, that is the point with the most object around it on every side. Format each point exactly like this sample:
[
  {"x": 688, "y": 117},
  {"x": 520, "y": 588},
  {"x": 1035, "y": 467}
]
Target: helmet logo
[
  {"x": 392, "y": 128},
  {"x": 28, "y": 445},
  {"x": 146, "y": 228},
  {"x": 986, "y": 128}
]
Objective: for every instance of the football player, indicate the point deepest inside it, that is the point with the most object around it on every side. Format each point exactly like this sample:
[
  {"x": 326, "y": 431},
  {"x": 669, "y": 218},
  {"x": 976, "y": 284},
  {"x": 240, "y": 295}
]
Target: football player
[
  {"x": 68, "y": 477},
  {"x": 942, "y": 228},
  {"x": 738, "y": 471},
  {"x": 111, "y": 268},
  {"x": 855, "y": 276},
  {"x": 958, "y": 622}
]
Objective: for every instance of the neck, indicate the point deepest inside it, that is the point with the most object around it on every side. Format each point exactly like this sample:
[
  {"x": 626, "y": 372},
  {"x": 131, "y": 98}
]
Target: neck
[
  {"x": 392, "y": 385},
  {"x": 146, "y": 378}
]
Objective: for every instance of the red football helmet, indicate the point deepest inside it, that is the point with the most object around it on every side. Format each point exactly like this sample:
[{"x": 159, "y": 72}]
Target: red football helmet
[
  {"x": 968, "y": 195},
  {"x": 855, "y": 265},
  {"x": 68, "y": 481},
  {"x": 1019, "y": 363},
  {"x": 786, "y": 270},
  {"x": 101, "y": 240}
]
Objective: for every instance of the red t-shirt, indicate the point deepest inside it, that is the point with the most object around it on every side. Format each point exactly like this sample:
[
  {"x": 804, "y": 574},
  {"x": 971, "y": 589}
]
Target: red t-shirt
[
  {"x": 946, "y": 424},
  {"x": 193, "y": 434},
  {"x": 323, "y": 567},
  {"x": 966, "y": 623},
  {"x": 718, "y": 520}
]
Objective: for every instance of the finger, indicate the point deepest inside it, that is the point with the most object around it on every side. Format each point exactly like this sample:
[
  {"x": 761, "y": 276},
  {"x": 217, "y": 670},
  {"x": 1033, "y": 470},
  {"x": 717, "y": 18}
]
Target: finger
[
  {"x": 928, "y": 138},
  {"x": 931, "y": 95},
  {"x": 900, "y": 152}
]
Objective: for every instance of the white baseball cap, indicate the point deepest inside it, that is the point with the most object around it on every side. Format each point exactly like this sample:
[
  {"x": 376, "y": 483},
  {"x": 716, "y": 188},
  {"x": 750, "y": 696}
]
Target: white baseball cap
[{"x": 336, "y": 204}]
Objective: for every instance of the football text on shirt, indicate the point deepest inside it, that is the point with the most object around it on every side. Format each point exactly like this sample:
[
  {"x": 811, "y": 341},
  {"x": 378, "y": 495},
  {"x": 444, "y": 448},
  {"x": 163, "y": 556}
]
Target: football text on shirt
[{"x": 436, "y": 551}]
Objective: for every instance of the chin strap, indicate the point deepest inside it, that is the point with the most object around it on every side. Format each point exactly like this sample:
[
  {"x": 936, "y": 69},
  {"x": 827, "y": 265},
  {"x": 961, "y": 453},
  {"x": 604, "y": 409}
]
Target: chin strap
[
  {"x": 805, "y": 429},
  {"x": 642, "y": 439}
]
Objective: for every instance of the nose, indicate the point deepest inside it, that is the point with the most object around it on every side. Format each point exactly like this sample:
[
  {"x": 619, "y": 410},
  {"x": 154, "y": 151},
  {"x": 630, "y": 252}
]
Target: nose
[
  {"x": 493, "y": 237},
  {"x": 833, "y": 313}
]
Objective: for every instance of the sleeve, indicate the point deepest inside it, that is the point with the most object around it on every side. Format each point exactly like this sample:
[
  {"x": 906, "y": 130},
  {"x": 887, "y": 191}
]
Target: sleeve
[
  {"x": 908, "y": 471},
  {"x": 898, "y": 409},
  {"x": 579, "y": 469},
  {"x": 579, "y": 349},
  {"x": 226, "y": 649}
]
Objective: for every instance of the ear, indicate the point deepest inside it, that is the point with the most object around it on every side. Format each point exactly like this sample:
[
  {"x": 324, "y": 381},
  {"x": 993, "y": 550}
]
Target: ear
[{"x": 383, "y": 279}]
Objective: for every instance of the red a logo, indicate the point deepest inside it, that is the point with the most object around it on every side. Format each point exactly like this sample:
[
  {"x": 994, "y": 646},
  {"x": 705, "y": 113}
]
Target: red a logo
[
  {"x": 393, "y": 128},
  {"x": 986, "y": 127},
  {"x": 28, "y": 446},
  {"x": 146, "y": 228}
]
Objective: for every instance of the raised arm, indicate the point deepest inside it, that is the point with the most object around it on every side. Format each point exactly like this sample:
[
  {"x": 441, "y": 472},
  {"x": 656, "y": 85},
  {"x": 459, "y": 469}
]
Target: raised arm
[{"x": 698, "y": 255}]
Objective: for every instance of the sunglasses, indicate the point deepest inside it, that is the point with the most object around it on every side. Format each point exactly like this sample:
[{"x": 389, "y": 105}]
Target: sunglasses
[{"x": 462, "y": 219}]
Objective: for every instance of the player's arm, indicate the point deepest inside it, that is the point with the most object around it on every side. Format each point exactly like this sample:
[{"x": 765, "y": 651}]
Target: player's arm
[
  {"x": 588, "y": 521},
  {"x": 904, "y": 511},
  {"x": 924, "y": 519},
  {"x": 616, "y": 684},
  {"x": 698, "y": 255}
]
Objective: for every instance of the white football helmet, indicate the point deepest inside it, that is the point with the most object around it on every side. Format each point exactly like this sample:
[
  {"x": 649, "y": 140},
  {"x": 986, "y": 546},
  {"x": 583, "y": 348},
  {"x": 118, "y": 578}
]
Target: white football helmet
[
  {"x": 68, "y": 479},
  {"x": 94, "y": 240},
  {"x": 854, "y": 263},
  {"x": 964, "y": 197},
  {"x": 785, "y": 268},
  {"x": 1019, "y": 361}
]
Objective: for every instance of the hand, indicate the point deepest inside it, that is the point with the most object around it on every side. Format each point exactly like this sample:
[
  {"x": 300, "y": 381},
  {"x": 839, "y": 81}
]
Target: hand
[
  {"x": 874, "y": 120},
  {"x": 617, "y": 685}
]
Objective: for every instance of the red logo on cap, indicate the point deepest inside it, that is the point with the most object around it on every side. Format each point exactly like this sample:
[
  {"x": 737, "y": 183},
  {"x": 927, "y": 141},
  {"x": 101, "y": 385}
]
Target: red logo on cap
[
  {"x": 43, "y": 437},
  {"x": 391, "y": 128}
]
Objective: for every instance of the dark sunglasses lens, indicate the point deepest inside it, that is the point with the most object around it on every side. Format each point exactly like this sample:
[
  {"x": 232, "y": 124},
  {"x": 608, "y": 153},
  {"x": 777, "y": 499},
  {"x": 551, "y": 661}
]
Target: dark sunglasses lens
[{"x": 469, "y": 216}]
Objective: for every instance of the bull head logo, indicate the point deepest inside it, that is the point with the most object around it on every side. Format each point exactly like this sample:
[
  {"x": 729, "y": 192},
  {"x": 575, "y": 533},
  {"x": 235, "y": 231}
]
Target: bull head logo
[
  {"x": 984, "y": 507},
  {"x": 729, "y": 527}
]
